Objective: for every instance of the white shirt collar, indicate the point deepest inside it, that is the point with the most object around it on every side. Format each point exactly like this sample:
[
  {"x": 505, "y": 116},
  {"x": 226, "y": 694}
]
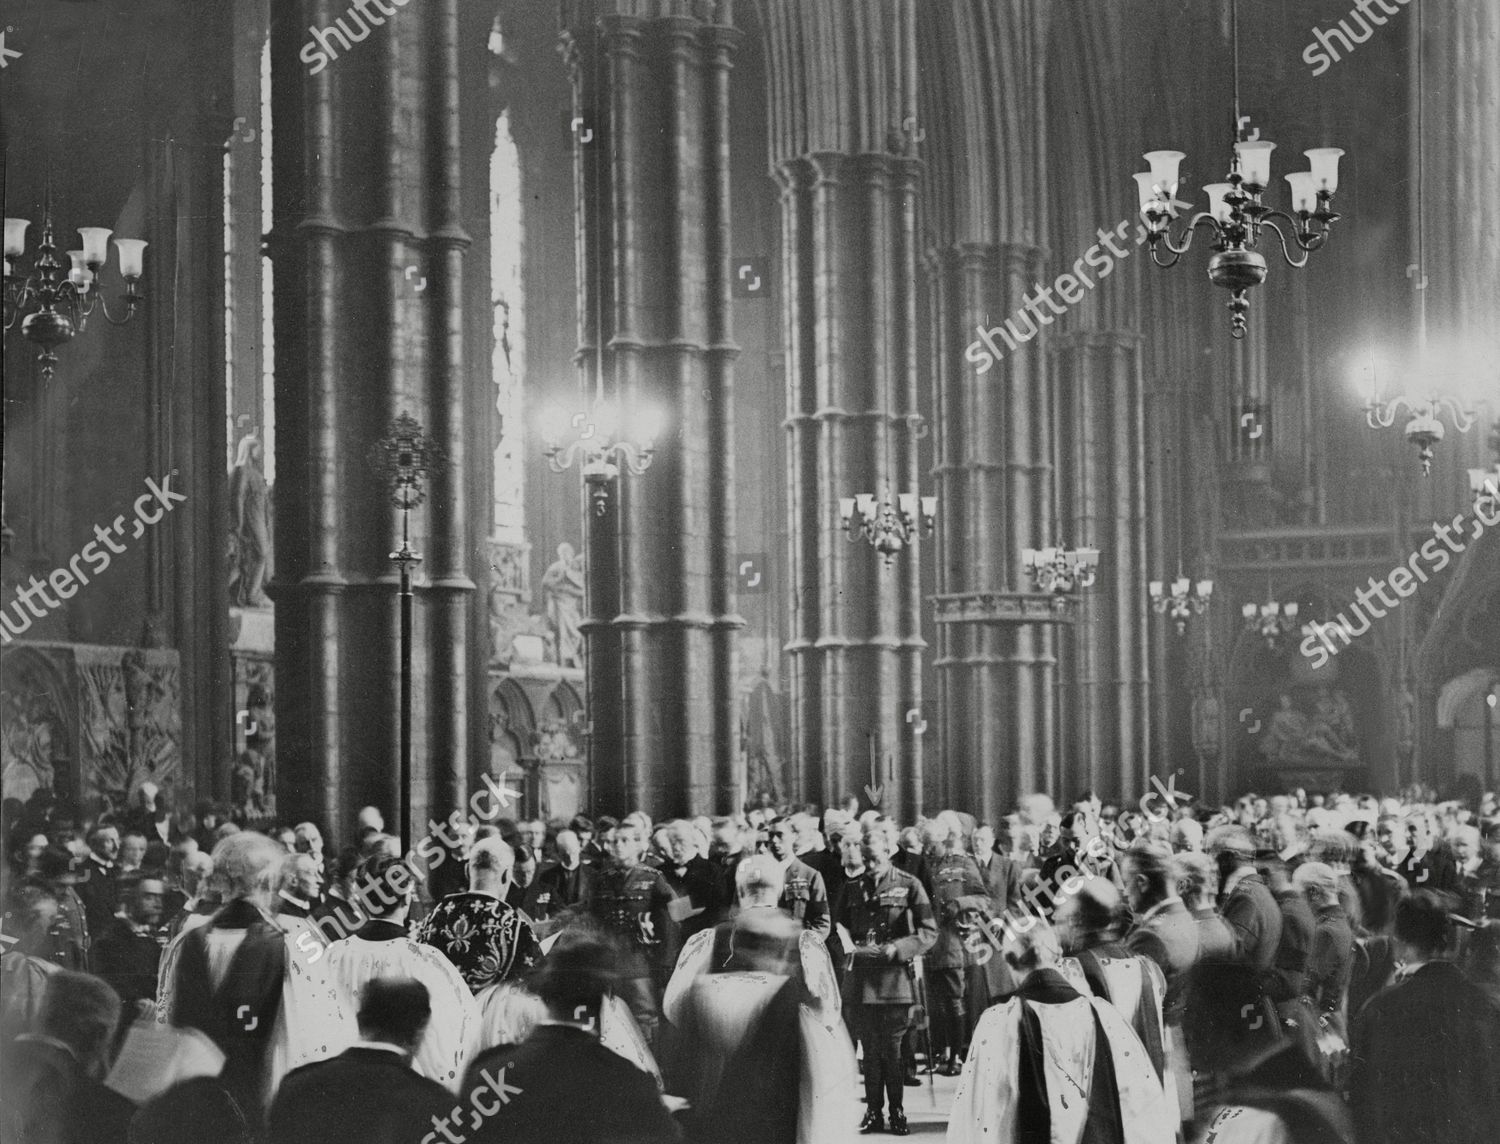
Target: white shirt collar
[{"x": 383, "y": 1046}]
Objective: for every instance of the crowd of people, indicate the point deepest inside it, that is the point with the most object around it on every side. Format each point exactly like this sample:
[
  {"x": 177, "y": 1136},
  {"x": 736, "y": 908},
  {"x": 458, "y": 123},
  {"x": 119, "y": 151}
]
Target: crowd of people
[{"x": 1292, "y": 968}]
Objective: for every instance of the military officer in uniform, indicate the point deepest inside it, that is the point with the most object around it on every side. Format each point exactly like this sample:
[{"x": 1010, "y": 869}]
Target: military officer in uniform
[
  {"x": 888, "y": 918},
  {"x": 633, "y": 902},
  {"x": 959, "y": 895},
  {"x": 803, "y": 895}
]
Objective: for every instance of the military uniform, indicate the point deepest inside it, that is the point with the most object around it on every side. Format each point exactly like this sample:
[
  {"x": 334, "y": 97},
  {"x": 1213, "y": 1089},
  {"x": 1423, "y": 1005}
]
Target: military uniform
[
  {"x": 959, "y": 895},
  {"x": 634, "y": 903},
  {"x": 805, "y": 898},
  {"x": 888, "y": 911}
]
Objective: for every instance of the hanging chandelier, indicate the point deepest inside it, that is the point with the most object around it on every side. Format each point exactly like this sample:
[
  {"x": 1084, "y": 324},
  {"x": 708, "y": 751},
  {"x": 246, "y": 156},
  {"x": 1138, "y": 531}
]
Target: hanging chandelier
[
  {"x": 599, "y": 442},
  {"x": 1425, "y": 427},
  {"x": 1183, "y": 601},
  {"x": 1270, "y": 620},
  {"x": 888, "y": 525},
  {"x": 53, "y": 304},
  {"x": 1060, "y": 571},
  {"x": 1237, "y": 216}
]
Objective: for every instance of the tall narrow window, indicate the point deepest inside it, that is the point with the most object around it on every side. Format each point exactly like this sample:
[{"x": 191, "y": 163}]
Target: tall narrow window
[
  {"x": 267, "y": 294},
  {"x": 508, "y": 367}
]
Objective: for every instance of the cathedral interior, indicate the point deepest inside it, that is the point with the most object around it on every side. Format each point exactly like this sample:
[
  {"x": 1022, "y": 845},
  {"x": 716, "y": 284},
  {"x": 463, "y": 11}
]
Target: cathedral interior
[{"x": 686, "y": 404}]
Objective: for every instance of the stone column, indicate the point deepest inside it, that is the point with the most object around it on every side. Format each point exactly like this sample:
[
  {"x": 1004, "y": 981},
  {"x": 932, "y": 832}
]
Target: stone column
[
  {"x": 651, "y": 163},
  {"x": 995, "y": 429},
  {"x": 365, "y": 160},
  {"x": 848, "y": 173}
]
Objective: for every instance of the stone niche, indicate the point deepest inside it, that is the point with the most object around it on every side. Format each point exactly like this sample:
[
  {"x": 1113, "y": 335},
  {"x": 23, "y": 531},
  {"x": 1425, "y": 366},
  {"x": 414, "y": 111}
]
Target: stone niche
[{"x": 91, "y": 723}]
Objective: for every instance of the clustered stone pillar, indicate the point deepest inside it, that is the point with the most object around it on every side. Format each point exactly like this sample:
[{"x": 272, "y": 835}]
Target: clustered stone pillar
[
  {"x": 651, "y": 157},
  {"x": 365, "y": 159},
  {"x": 997, "y": 642},
  {"x": 848, "y": 175}
]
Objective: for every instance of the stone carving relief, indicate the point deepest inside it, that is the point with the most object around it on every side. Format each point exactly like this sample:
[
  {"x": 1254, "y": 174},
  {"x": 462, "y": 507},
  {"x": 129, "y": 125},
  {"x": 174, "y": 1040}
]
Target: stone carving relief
[
  {"x": 91, "y": 723},
  {"x": 252, "y": 785}
]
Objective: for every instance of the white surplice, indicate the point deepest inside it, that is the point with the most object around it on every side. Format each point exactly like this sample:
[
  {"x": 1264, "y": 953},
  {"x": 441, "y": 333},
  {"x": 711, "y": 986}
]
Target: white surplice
[
  {"x": 449, "y": 1041},
  {"x": 985, "y": 1106}
]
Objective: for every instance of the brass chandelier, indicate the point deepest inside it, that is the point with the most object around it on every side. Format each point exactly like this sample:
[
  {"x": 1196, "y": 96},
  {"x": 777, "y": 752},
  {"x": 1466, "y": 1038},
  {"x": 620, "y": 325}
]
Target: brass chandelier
[{"x": 1237, "y": 216}]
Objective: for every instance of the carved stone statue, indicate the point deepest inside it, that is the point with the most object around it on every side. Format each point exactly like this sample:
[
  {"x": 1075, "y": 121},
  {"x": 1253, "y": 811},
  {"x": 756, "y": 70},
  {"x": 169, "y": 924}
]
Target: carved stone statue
[
  {"x": 562, "y": 594},
  {"x": 1285, "y": 733},
  {"x": 251, "y": 560}
]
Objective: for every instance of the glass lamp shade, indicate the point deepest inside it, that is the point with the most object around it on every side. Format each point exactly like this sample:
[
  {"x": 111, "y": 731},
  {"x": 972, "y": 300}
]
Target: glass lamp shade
[
  {"x": 929, "y": 507},
  {"x": 846, "y": 510},
  {"x": 1291, "y": 611},
  {"x": 1180, "y": 586},
  {"x": 80, "y": 276},
  {"x": 132, "y": 257},
  {"x": 866, "y": 505},
  {"x": 1029, "y": 557},
  {"x": 1325, "y": 167},
  {"x": 1146, "y": 183},
  {"x": 1164, "y": 166},
  {"x": 552, "y": 421},
  {"x": 1205, "y": 588},
  {"x": 15, "y": 237},
  {"x": 1304, "y": 194},
  {"x": 1088, "y": 557},
  {"x": 1255, "y": 162},
  {"x": 95, "y": 244},
  {"x": 908, "y": 504},
  {"x": 1248, "y": 611},
  {"x": 1154, "y": 589},
  {"x": 645, "y": 424},
  {"x": 1216, "y": 204}
]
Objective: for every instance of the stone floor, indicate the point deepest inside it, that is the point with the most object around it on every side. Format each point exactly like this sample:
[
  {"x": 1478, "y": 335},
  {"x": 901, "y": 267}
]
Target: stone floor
[{"x": 926, "y": 1111}]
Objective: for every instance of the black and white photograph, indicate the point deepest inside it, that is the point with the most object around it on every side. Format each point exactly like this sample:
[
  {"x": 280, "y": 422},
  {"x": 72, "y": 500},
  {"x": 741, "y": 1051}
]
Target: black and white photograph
[{"x": 750, "y": 571}]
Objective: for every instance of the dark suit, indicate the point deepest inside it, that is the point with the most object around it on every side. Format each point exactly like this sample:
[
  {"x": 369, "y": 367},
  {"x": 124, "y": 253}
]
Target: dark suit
[
  {"x": 1002, "y": 879},
  {"x": 1253, "y": 915},
  {"x": 362, "y": 1096},
  {"x": 48, "y": 1099},
  {"x": 557, "y": 889},
  {"x": 1426, "y": 1062},
  {"x": 698, "y": 881},
  {"x": 562, "y": 1084}
]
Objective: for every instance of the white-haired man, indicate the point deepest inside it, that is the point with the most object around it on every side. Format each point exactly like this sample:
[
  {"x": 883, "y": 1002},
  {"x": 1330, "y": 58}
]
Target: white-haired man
[
  {"x": 242, "y": 979},
  {"x": 487, "y": 940},
  {"x": 736, "y": 997},
  {"x": 1050, "y": 1063}
]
